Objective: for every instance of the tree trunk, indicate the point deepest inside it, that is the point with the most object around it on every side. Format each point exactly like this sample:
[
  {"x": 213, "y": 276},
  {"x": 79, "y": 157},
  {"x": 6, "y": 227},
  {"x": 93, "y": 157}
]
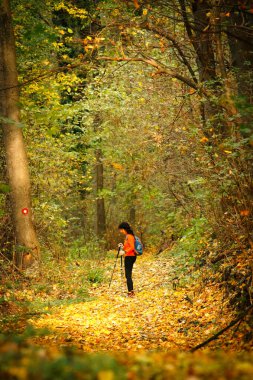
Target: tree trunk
[
  {"x": 16, "y": 157},
  {"x": 197, "y": 25},
  {"x": 202, "y": 41},
  {"x": 228, "y": 92},
  {"x": 132, "y": 215},
  {"x": 205, "y": 31},
  {"x": 100, "y": 203},
  {"x": 197, "y": 30},
  {"x": 240, "y": 38}
]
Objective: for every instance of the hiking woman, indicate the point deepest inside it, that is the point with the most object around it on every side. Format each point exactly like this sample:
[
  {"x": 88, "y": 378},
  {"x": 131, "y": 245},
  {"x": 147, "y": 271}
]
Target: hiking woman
[{"x": 129, "y": 252}]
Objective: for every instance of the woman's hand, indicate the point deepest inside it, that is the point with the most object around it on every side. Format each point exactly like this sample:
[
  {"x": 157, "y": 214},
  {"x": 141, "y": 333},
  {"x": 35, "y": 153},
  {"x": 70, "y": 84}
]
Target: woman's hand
[{"x": 121, "y": 250}]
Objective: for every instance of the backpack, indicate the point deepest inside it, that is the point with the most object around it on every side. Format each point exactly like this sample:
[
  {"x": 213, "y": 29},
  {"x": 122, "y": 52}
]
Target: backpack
[{"x": 138, "y": 246}]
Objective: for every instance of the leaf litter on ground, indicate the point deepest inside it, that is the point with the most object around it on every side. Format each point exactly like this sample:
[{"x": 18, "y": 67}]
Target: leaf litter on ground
[
  {"x": 157, "y": 318},
  {"x": 109, "y": 336}
]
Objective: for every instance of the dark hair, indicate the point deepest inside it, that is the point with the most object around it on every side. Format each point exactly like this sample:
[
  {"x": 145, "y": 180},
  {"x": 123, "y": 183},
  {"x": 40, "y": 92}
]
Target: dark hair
[{"x": 126, "y": 226}]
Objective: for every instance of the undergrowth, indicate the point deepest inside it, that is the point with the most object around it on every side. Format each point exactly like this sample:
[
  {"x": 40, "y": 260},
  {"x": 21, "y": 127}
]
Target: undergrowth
[
  {"x": 21, "y": 361},
  {"x": 48, "y": 285}
]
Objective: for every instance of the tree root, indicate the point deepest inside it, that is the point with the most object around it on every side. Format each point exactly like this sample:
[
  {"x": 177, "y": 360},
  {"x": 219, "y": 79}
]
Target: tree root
[{"x": 215, "y": 336}]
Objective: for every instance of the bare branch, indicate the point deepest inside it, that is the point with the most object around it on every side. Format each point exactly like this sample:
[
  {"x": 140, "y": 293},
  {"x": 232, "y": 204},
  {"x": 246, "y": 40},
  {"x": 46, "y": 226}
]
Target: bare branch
[
  {"x": 185, "y": 19},
  {"x": 161, "y": 69},
  {"x": 175, "y": 43},
  {"x": 215, "y": 336}
]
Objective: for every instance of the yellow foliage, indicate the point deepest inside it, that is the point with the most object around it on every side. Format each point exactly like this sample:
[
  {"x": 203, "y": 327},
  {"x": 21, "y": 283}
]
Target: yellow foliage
[
  {"x": 105, "y": 375},
  {"x": 204, "y": 139},
  {"x": 117, "y": 166},
  {"x": 71, "y": 9}
]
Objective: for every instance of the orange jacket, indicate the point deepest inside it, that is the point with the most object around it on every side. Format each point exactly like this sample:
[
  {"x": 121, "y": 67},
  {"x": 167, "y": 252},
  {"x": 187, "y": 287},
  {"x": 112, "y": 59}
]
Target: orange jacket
[{"x": 129, "y": 245}]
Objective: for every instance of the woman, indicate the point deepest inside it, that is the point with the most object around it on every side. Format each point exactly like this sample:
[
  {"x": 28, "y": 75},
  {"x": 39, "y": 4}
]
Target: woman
[{"x": 129, "y": 252}]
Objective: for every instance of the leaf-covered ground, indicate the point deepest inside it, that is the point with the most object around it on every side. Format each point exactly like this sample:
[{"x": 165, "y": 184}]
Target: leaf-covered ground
[
  {"x": 146, "y": 338},
  {"x": 158, "y": 318}
]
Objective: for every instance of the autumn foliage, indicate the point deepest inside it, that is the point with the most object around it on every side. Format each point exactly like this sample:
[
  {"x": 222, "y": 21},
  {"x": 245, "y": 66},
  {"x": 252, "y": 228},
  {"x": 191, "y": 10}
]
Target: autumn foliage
[{"x": 138, "y": 111}]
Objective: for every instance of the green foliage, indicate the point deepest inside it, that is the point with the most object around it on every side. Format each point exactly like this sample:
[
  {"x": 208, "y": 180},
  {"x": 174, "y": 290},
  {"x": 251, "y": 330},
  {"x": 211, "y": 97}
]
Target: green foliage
[
  {"x": 93, "y": 249},
  {"x": 246, "y": 110},
  {"x": 67, "y": 365},
  {"x": 21, "y": 362},
  {"x": 191, "y": 240},
  {"x": 60, "y": 283},
  {"x": 96, "y": 275},
  {"x": 4, "y": 188}
]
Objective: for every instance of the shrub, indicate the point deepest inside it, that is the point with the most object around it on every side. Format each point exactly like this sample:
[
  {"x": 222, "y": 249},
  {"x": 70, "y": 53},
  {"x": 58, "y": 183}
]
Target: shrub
[{"x": 96, "y": 275}]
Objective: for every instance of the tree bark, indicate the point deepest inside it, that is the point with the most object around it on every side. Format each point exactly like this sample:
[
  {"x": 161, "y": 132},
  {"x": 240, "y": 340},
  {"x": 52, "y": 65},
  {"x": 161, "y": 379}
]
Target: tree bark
[
  {"x": 132, "y": 215},
  {"x": 240, "y": 38},
  {"x": 15, "y": 152},
  {"x": 228, "y": 93},
  {"x": 202, "y": 41},
  {"x": 200, "y": 37},
  {"x": 199, "y": 31},
  {"x": 100, "y": 202}
]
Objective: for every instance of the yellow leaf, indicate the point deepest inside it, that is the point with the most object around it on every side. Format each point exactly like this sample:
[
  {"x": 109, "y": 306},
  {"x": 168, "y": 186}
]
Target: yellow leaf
[
  {"x": 105, "y": 375},
  {"x": 117, "y": 166},
  {"x": 145, "y": 12},
  {"x": 204, "y": 139},
  {"x": 106, "y": 332}
]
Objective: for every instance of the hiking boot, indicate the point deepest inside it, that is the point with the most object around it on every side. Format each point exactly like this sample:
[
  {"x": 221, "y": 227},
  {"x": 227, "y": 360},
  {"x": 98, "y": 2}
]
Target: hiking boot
[{"x": 131, "y": 294}]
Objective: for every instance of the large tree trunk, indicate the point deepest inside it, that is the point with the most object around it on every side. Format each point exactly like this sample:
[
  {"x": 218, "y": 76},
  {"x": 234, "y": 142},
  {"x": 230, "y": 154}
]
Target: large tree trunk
[
  {"x": 100, "y": 203},
  {"x": 202, "y": 41},
  {"x": 228, "y": 90},
  {"x": 197, "y": 30},
  {"x": 16, "y": 158},
  {"x": 197, "y": 25},
  {"x": 240, "y": 37}
]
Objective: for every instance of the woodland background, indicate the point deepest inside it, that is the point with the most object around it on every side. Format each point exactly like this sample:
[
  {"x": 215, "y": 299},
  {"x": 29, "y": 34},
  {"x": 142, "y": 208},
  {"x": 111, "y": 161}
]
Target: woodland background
[{"x": 129, "y": 110}]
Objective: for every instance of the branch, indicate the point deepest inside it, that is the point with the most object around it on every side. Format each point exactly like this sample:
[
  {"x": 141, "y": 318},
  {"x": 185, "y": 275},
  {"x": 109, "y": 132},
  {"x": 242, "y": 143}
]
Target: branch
[
  {"x": 170, "y": 37},
  {"x": 187, "y": 24},
  {"x": 12, "y": 263},
  {"x": 160, "y": 68},
  {"x": 215, "y": 336}
]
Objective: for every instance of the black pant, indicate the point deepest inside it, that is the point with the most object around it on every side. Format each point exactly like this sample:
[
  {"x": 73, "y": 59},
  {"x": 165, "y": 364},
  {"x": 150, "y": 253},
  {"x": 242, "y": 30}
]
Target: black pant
[{"x": 129, "y": 262}]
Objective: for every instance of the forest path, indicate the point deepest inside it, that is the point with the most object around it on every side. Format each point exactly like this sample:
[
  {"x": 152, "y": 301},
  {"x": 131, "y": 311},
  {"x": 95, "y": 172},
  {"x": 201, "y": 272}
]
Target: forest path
[{"x": 158, "y": 317}]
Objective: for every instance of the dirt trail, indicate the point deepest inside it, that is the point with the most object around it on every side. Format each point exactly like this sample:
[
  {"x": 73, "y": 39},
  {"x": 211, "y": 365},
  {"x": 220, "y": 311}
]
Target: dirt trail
[{"x": 157, "y": 318}]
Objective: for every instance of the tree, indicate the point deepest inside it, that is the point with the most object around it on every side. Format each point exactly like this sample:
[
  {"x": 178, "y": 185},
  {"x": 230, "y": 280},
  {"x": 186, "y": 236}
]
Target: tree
[
  {"x": 100, "y": 202},
  {"x": 239, "y": 32},
  {"x": 16, "y": 157}
]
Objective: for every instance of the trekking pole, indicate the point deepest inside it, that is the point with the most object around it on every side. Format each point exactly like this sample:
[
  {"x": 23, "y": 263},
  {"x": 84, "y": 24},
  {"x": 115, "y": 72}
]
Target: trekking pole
[
  {"x": 121, "y": 274},
  {"x": 114, "y": 267}
]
